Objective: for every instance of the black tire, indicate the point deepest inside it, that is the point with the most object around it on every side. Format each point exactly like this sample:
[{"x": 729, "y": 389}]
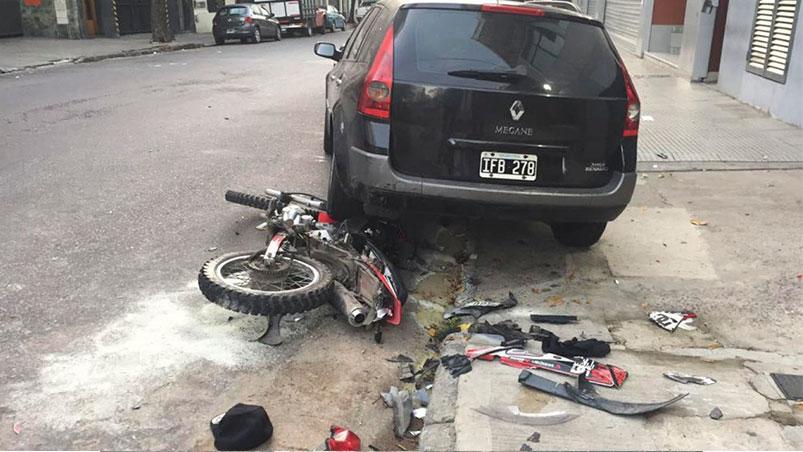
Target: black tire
[
  {"x": 343, "y": 28},
  {"x": 328, "y": 145},
  {"x": 257, "y": 38},
  {"x": 249, "y": 200},
  {"x": 278, "y": 36},
  {"x": 243, "y": 40},
  {"x": 340, "y": 205},
  {"x": 578, "y": 235},
  {"x": 308, "y": 31},
  {"x": 256, "y": 302},
  {"x": 219, "y": 41}
]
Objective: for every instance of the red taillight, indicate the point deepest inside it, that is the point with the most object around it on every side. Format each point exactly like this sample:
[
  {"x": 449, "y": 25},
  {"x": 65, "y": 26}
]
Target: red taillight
[
  {"x": 376, "y": 89},
  {"x": 248, "y": 19},
  {"x": 633, "y": 106},
  {"x": 511, "y": 9}
]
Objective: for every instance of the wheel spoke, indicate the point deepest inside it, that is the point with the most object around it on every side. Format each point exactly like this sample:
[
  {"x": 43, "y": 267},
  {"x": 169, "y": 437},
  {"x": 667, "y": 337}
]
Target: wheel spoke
[{"x": 236, "y": 273}]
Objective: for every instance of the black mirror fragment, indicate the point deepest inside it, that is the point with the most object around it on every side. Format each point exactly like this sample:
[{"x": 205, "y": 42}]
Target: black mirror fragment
[{"x": 585, "y": 394}]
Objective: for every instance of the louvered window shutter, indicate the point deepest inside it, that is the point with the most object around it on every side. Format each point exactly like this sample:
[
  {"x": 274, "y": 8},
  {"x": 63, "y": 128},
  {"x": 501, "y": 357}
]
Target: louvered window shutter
[{"x": 771, "y": 41}]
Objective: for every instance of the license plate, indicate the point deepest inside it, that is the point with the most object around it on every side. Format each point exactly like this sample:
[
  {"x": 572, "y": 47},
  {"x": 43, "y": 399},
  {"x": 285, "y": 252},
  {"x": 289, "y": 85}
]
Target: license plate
[{"x": 503, "y": 165}]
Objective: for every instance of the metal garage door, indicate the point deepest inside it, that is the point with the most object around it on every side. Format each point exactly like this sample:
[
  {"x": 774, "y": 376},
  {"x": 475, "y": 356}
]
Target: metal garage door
[
  {"x": 10, "y": 19},
  {"x": 134, "y": 16},
  {"x": 622, "y": 18},
  {"x": 594, "y": 8}
]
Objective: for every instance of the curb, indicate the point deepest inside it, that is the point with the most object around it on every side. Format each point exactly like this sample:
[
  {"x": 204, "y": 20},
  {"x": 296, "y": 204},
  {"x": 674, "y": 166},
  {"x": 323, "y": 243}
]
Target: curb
[
  {"x": 122, "y": 54},
  {"x": 439, "y": 432}
]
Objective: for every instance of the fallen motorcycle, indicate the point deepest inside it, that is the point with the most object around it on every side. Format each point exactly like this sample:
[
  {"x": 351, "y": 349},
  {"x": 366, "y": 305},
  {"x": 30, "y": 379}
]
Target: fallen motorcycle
[{"x": 308, "y": 260}]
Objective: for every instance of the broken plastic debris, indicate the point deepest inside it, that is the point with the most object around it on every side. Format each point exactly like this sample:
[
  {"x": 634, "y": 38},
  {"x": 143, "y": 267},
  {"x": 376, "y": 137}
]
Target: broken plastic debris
[
  {"x": 534, "y": 438},
  {"x": 671, "y": 321},
  {"x": 686, "y": 379},
  {"x": 342, "y": 439},
  {"x": 17, "y": 428},
  {"x": 790, "y": 385},
  {"x": 456, "y": 364},
  {"x": 715, "y": 414},
  {"x": 400, "y": 359},
  {"x": 525, "y": 448},
  {"x": 478, "y": 308},
  {"x": 585, "y": 394},
  {"x": 212, "y": 248},
  {"x": 594, "y": 372},
  {"x": 514, "y": 415},
  {"x": 698, "y": 222},
  {"x": 419, "y": 413},
  {"x": 556, "y": 319},
  {"x": 487, "y": 339},
  {"x": 402, "y": 406}
]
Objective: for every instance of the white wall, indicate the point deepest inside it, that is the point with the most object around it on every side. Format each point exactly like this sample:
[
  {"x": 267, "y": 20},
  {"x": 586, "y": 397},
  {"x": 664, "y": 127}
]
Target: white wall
[{"x": 782, "y": 101}]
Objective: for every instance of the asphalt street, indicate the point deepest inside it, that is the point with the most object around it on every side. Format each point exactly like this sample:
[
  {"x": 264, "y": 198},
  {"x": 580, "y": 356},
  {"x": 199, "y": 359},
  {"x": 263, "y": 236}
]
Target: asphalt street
[
  {"x": 112, "y": 177},
  {"x": 112, "y": 174}
]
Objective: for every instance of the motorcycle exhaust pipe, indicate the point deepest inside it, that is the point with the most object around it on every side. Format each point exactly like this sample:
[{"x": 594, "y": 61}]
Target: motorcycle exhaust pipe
[{"x": 348, "y": 304}]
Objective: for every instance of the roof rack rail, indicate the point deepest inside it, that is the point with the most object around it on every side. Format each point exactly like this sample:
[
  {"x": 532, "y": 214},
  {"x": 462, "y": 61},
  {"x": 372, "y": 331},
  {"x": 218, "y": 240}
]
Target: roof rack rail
[{"x": 562, "y": 4}]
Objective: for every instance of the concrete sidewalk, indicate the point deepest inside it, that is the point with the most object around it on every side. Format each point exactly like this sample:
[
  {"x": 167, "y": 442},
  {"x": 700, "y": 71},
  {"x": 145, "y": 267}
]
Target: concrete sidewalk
[
  {"x": 740, "y": 273},
  {"x": 27, "y": 53},
  {"x": 688, "y": 125}
]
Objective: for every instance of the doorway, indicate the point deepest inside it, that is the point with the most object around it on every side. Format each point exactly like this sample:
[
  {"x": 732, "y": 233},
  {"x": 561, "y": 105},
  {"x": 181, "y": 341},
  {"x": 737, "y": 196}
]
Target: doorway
[
  {"x": 666, "y": 30},
  {"x": 90, "y": 19}
]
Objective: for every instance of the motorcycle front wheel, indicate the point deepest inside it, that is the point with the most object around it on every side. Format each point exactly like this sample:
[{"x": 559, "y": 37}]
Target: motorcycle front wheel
[{"x": 242, "y": 282}]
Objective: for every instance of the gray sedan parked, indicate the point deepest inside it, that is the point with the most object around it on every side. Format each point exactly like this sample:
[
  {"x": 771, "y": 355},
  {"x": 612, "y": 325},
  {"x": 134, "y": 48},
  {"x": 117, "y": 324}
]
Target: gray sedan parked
[{"x": 246, "y": 22}]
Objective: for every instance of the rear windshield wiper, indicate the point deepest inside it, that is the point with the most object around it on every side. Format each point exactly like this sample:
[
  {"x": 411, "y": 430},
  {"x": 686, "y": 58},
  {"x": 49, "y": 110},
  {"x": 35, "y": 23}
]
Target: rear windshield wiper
[{"x": 496, "y": 76}]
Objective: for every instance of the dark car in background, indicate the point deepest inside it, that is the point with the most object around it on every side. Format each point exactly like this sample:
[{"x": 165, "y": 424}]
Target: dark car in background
[
  {"x": 246, "y": 22},
  {"x": 492, "y": 109}
]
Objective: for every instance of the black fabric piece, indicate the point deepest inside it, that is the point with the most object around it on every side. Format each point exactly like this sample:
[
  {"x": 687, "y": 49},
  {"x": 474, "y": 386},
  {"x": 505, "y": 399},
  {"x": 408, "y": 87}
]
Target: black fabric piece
[
  {"x": 584, "y": 394},
  {"x": 242, "y": 427},
  {"x": 588, "y": 348},
  {"x": 456, "y": 364},
  {"x": 556, "y": 319}
]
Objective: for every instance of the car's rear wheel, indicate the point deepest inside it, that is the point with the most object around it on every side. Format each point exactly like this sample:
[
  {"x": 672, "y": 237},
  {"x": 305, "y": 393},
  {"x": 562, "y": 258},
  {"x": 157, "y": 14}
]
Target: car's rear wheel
[
  {"x": 308, "y": 31},
  {"x": 219, "y": 41},
  {"x": 340, "y": 205},
  {"x": 257, "y": 36},
  {"x": 278, "y": 36},
  {"x": 578, "y": 235},
  {"x": 343, "y": 27}
]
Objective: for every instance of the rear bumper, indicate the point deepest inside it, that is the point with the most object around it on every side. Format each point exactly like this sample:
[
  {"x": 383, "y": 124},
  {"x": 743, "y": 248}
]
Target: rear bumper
[
  {"x": 238, "y": 33},
  {"x": 372, "y": 180}
]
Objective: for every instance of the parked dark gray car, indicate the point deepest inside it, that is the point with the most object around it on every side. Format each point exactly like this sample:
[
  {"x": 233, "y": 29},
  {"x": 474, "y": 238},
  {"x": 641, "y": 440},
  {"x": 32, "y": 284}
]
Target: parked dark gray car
[{"x": 246, "y": 22}]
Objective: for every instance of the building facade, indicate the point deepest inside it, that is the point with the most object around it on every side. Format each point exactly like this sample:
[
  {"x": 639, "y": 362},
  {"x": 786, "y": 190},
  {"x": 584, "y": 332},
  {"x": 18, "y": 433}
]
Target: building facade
[
  {"x": 88, "y": 18},
  {"x": 751, "y": 49}
]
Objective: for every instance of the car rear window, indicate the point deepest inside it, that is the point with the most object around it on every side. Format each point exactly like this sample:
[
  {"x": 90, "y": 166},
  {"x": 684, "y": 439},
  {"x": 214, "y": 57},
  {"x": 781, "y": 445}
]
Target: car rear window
[
  {"x": 554, "y": 56},
  {"x": 236, "y": 11}
]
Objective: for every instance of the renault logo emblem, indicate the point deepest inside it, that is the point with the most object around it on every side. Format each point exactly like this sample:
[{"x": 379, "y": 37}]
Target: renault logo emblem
[{"x": 516, "y": 110}]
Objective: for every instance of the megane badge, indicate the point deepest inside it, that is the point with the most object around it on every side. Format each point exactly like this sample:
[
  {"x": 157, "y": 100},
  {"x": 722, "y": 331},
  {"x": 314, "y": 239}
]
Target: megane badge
[{"x": 516, "y": 110}]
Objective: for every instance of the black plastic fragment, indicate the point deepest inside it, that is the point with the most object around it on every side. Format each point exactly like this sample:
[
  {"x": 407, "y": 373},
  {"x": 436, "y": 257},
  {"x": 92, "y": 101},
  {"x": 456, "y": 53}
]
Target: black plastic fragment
[
  {"x": 585, "y": 394},
  {"x": 556, "y": 319}
]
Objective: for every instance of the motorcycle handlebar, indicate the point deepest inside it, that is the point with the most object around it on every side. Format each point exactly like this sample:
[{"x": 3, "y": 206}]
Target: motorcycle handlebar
[{"x": 298, "y": 198}]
